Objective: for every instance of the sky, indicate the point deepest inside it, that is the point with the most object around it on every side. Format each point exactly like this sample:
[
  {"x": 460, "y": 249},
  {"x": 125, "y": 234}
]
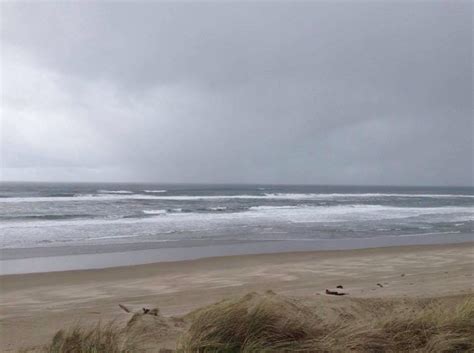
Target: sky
[{"x": 338, "y": 92}]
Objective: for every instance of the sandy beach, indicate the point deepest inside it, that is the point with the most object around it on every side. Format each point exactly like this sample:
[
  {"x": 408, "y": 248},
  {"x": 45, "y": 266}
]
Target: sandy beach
[
  {"x": 34, "y": 306},
  {"x": 236, "y": 177}
]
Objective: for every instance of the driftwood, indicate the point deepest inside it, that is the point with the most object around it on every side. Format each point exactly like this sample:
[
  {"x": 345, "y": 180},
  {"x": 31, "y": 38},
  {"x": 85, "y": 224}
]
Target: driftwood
[
  {"x": 334, "y": 292},
  {"x": 340, "y": 287},
  {"x": 153, "y": 312},
  {"x": 124, "y": 308},
  {"x": 146, "y": 311}
]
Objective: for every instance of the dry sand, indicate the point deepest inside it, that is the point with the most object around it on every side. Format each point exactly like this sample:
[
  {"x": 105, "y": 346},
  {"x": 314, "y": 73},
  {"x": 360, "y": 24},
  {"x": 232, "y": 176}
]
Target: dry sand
[{"x": 33, "y": 307}]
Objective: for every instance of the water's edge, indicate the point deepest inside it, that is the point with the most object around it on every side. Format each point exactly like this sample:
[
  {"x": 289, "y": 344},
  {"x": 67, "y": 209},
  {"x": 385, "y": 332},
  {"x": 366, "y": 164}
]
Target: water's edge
[{"x": 37, "y": 260}]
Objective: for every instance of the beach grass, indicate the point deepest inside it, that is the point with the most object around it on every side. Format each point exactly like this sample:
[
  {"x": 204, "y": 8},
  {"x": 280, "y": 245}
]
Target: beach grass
[
  {"x": 108, "y": 338},
  {"x": 273, "y": 323}
]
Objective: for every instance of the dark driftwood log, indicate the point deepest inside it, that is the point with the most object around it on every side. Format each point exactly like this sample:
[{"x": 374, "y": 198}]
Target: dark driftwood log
[
  {"x": 146, "y": 311},
  {"x": 124, "y": 308},
  {"x": 153, "y": 312},
  {"x": 333, "y": 292}
]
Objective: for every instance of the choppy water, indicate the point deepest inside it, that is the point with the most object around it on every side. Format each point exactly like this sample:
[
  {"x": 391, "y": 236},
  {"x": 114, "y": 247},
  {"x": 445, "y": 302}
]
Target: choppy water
[{"x": 45, "y": 215}]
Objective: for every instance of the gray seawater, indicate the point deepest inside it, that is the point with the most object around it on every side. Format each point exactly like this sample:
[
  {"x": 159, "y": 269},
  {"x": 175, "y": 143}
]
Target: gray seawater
[{"x": 45, "y": 215}]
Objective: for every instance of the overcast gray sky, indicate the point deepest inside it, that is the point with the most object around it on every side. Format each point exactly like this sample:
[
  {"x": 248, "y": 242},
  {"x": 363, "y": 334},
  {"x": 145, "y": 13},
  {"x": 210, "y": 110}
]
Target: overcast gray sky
[{"x": 269, "y": 92}]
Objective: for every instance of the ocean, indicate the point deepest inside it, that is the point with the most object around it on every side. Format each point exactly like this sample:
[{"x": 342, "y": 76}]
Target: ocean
[{"x": 37, "y": 218}]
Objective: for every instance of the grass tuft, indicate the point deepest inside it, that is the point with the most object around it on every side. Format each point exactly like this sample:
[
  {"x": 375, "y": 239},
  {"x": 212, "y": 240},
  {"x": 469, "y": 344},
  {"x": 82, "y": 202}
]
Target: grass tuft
[
  {"x": 98, "y": 339},
  {"x": 254, "y": 323}
]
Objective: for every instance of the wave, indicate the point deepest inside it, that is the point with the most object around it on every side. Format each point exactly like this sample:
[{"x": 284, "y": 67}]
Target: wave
[
  {"x": 272, "y": 214},
  {"x": 299, "y": 196},
  {"x": 430, "y": 233},
  {"x": 308, "y": 196},
  {"x": 364, "y": 208},
  {"x": 256, "y": 208},
  {"x": 219, "y": 208},
  {"x": 114, "y": 192},
  {"x": 134, "y": 236},
  {"x": 80, "y": 197},
  {"x": 49, "y": 217},
  {"x": 155, "y": 212},
  {"x": 342, "y": 213},
  {"x": 123, "y": 194},
  {"x": 155, "y": 191},
  {"x": 162, "y": 211},
  {"x": 295, "y": 196}
]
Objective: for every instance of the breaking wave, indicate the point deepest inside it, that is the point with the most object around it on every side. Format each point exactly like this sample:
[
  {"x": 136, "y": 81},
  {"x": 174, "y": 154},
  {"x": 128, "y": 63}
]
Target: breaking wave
[
  {"x": 287, "y": 214},
  {"x": 155, "y": 212},
  {"x": 114, "y": 192},
  {"x": 124, "y": 194}
]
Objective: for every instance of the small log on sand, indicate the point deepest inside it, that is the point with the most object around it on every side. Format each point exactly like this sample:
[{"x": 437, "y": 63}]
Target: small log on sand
[
  {"x": 334, "y": 292},
  {"x": 124, "y": 308},
  {"x": 153, "y": 312}
]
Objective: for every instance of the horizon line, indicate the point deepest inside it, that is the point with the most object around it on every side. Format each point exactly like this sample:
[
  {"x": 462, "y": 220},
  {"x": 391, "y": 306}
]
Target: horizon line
[{"x": 232, "y": 183}]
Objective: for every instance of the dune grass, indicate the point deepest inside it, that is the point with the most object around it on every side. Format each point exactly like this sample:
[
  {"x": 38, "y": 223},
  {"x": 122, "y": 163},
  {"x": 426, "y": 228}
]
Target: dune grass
[
  {"x": 276, "y": 324},
  {"x": 273, "y": 323},
  {"x": 431, "y": 328},
  {"x": 98, "y": 339},
  {"x": 250, "y": 324}
]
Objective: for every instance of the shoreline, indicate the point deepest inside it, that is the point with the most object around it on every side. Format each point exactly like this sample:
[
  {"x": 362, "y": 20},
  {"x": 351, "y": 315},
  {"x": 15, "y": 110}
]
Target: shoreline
[
  {"x": 59, "y": 259},
  {"x": 145, "y": 267},
  {"x": 36, "y": 305}
]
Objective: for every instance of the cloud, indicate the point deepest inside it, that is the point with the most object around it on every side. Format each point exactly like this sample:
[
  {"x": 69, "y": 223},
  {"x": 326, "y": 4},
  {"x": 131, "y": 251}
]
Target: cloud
[{"x": 366, "y": 93}]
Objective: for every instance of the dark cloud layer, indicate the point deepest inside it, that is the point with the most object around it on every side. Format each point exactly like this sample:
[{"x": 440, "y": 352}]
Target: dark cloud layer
[{"x": 310, "y": 92}]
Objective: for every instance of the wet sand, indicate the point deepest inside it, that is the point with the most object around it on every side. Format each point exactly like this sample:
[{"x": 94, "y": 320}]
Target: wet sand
[
  {"x": 34, "y": 306},
  {"x": 85, "y": 257}
]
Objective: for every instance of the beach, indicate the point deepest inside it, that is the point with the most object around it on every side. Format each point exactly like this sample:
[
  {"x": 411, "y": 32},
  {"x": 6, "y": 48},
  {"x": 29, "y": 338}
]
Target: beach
[
  {"x": 35, "y": 306},
  {"x": 236, "y": 177}
]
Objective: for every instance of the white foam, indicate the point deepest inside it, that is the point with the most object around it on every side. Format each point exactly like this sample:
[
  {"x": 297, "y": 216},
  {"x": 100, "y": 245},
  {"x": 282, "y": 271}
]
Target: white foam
[
  {"x": 114, "y": 192},
  {"x": 265, "y": 214},
  {"x": 307, "y": 196},
  {"x": 431, "y": 233},
  {"x": 219, "y": 208},
  {"x": 155, "y": 191},
  {"x": 123, "y": 194},
  {"x": 323, "y": 196},
  {"x": 79, "y": 197},
  {"x": 256, "y": 208},
  {"x": 155, "y": 212},
  {"x": 341, "y": 213},
  {"x": 133, "y": 236}
]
